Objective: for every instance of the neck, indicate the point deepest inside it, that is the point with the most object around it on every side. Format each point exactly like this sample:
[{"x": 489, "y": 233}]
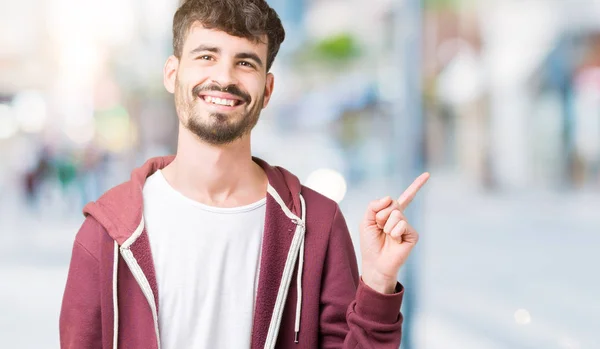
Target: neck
[{"x": 223, "y": 176}]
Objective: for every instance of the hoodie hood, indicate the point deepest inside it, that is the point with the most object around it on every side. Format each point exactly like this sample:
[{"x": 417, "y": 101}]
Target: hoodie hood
[{"x": 120, "y": 210}]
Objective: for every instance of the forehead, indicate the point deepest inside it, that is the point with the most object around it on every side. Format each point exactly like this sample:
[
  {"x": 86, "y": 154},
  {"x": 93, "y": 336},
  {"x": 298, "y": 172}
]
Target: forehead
[{"x": 199, "y": 35}]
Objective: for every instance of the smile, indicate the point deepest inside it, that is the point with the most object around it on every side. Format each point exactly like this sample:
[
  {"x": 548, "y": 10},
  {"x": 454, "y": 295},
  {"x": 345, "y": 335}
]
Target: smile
[{"x": 222, "y": 101}]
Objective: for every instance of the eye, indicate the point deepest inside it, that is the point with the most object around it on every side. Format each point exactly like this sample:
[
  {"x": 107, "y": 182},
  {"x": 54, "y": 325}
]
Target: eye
[
  {"x": 246, "y": 64},
  {"x": 205, "y": 57}
]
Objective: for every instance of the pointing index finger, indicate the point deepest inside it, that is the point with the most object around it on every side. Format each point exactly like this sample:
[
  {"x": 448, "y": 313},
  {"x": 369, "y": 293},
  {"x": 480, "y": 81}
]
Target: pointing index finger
[{"x": 409, "y": 194}]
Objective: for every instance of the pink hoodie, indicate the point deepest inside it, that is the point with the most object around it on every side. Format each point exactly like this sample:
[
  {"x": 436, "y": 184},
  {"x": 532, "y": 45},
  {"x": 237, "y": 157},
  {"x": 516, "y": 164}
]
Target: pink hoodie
[{"x": 111, "y": 295}]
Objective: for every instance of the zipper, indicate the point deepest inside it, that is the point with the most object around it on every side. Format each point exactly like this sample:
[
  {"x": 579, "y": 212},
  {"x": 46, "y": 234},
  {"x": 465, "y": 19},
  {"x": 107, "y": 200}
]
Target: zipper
[{"x": 142, "y": 281}]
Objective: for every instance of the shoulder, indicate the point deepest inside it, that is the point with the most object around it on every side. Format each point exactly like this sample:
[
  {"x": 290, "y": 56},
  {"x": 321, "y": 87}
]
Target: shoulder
[
  {"x": 320, "y": 209},
  {"x": 92, "y": 236}
]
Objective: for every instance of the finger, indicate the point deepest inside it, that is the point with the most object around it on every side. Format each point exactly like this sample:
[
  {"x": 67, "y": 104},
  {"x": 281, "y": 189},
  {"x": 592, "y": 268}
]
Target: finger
[
  {"x": 410, "y": 235},
  {"x": 399, "y": 231},
  {"x": 376, "y": 206},
  {"x": 409, "y": 194},
  {"x": 382, "y": 216},
  {"x": 395, "y": 217}
]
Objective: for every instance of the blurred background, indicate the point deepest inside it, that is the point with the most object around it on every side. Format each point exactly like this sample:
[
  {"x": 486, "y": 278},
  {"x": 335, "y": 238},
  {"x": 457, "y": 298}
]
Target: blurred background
[{"x": 499, "y": 100}]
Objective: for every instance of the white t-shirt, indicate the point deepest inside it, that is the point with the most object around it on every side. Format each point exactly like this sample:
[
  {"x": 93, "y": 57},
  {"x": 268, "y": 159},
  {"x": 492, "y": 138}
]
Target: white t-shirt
[{"x": 206, "y": 261}]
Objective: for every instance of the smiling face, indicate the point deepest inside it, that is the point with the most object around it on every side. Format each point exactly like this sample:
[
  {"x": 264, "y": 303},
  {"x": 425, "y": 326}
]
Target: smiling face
[{"x": 220, "y": 84}]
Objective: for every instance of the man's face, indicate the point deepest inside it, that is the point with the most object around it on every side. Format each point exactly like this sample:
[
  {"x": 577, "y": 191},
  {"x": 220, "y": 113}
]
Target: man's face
[{"x": 220, "y": 84}]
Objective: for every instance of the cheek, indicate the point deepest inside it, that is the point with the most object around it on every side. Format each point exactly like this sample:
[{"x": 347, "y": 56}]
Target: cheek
[
  {"x": 191, "y": 76},
  {"x": 256, "y": 88}
]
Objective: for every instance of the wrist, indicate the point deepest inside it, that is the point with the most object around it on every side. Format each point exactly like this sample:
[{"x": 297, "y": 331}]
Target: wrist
[{"x": 380, "y": 283}]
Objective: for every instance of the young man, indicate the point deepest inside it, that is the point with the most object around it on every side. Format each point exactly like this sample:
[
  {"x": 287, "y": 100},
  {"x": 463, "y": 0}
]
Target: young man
[{"x": 213, "y": 248}]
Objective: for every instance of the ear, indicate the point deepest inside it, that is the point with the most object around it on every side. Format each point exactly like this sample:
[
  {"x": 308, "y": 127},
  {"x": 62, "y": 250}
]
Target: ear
[
  {"x": 269, "y": 83},
  {"x": 170, "y": 73}
]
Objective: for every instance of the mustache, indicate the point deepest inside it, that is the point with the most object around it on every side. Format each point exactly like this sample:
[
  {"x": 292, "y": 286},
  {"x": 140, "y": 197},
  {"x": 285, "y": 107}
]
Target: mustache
[{"x": 231, "y": 89}]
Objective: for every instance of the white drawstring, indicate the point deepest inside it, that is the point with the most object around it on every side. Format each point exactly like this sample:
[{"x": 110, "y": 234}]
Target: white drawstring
[
  {"x": 296, "y": 250},
  {"x": 115, "y": 298},
  {"x": 299, "y": 276}
]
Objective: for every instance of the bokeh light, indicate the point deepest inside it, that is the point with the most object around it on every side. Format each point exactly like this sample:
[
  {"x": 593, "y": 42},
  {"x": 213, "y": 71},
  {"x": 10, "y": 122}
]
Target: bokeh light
[{"x": 328, "y": 182}]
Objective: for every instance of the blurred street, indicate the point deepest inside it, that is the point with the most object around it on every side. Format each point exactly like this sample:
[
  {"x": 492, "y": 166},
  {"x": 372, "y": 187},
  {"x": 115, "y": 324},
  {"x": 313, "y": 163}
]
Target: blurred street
[
  {"x": 481, "y": 260},
  {"x": 486, "y": 257}
]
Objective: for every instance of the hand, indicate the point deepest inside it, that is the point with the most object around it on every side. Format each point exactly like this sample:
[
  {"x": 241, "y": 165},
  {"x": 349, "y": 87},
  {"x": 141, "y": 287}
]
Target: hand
[{"x": 386, "y": 238}]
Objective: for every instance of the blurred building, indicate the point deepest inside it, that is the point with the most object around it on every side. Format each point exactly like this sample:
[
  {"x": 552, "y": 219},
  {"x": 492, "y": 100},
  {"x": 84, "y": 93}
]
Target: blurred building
[{"x": 501, "y": 84}]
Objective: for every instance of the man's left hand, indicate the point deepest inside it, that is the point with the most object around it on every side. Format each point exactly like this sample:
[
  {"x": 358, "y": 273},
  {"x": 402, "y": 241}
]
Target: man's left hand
[{"x": 386, "y": 238}]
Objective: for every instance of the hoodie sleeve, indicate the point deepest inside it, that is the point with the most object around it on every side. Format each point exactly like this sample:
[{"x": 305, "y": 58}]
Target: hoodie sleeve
[
  {"x": 79, "y": 323},
  {"x": 353, "y": 316}
]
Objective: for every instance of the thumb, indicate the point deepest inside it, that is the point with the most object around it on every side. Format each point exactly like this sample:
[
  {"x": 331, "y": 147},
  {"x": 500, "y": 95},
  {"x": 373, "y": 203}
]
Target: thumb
[{"x": 376, "y": 206}]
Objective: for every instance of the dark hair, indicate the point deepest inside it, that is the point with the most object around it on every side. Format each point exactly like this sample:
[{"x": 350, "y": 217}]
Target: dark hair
[{"x": 250, "y": 19}]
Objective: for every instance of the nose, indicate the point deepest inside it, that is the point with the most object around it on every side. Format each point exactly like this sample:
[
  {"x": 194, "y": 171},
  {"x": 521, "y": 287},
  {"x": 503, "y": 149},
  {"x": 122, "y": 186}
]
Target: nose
[{"x": 224, "y": 75}]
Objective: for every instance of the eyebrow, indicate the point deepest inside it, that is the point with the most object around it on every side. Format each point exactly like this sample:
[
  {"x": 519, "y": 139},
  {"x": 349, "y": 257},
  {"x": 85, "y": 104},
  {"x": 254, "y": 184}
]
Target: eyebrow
[
  {"x": 250, "y": 55},
  {"x": 241, "y": 55},
  {"x": 203, "y": 48}
]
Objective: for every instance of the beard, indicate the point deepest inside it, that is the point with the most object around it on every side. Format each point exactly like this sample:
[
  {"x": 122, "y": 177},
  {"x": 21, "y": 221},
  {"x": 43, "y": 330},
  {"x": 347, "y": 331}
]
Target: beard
[{"x": 217, "y": 128}]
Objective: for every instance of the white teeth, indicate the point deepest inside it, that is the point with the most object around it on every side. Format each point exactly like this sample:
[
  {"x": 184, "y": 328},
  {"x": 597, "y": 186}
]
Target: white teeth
[{"x": 220, "y": 101}]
